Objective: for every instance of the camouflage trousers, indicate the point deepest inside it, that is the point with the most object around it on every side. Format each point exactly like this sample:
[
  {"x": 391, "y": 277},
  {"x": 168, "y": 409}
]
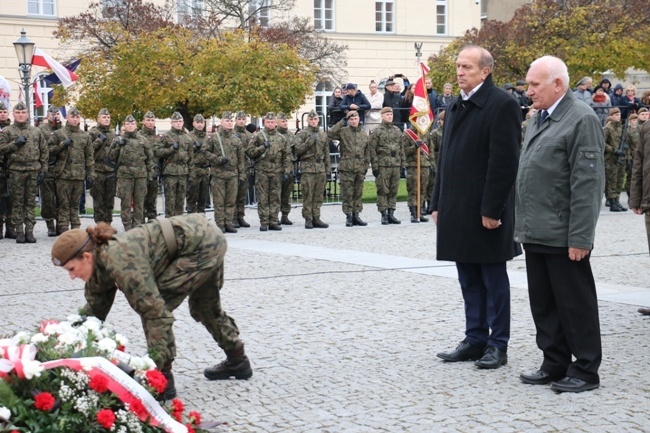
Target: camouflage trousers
[
  {"x": 224, "y": 199},
  {"x": 131, "y": 193},
  {"x": 387, "y": 184},
  {"x": 412, "y": 187},
  {"x": 150, "y": 208},
  {"x": 23, "y": 189},
  {"x": 285, "y": 195},
  {"x": 313, "y": 190},
  {"x": 428, "y": 190},
  {"x": 174, "y": 190},
  {"x": 103, "y": 193},
  {"x": 614, "y": 176},
  {"x": 48, "y": 198},
  {"x": 68, "y": 193},
  {"x": 352, "y": 191},
  {"x": 197, "y": 193},
  {"x": 5, "y": 204},
  {"x": 267, "y": 189},
  {"x": 242, "y": 191}
]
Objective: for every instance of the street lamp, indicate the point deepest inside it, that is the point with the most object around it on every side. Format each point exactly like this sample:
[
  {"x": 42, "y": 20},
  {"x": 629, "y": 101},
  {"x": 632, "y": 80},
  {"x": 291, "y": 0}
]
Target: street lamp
[{"x": 25, "y": 52}]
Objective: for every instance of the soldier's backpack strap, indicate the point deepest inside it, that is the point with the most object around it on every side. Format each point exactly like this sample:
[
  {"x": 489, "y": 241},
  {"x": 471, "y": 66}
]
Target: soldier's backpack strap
[{"x": 170, "y": 238}]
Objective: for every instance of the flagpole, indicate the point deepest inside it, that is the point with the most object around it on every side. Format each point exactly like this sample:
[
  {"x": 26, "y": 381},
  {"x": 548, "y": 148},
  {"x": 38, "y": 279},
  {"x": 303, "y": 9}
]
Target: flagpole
[{"x": 418, "y": 55}]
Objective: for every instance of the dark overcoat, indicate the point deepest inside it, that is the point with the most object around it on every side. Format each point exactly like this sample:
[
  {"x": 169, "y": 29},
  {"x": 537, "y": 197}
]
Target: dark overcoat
[{"x": 477, "y": 169}]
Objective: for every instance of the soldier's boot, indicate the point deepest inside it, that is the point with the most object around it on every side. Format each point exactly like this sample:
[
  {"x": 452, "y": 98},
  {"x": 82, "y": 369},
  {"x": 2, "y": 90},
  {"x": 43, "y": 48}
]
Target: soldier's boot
[
  {"x": 235, "y": 224},
  {"x": 275, "y": 227},
  {"x": 423, "y": 218},
  {"x": 285, "y": 220},
  {"x": 391, "y": 217},
  {"x": 414, "y": 217},
  {"x": 20, "y": 238},
  {"x": 624, "y": 209},
  {"x": 242, "y": 222},
  {"x": 230, "y": 228},
  {"x": 384, "y": 217},
  {"x": 10, "y": 233},
  {"x": 357, "y": 221},
  {"x": 264, "y": 227},
  {"x": 608, "y": 202},
  {"x": 613, "y": 206},
  {"x": 61, "y": 229},
  {"x": 309, "y": 224},
  {"x": 236, "y": 365},
  {"x": 51, "y": 229},
  {"x": 222, "y": 228},
  {"x": 348, "y": 220},
  {"x": 29, "y": 237},
  {"x": 319, "y": 224},
  {"x": 170, "y": 390}
]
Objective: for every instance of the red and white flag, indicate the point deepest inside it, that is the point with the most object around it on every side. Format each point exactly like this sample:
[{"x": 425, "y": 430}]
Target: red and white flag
[
  {"x": 421, "y": 116},
  {"x": 38, "y": 102},
  {"x": 65, "y": 75}
]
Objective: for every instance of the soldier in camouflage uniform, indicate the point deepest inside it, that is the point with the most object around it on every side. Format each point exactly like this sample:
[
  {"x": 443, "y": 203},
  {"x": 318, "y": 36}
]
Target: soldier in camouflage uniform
[
  {"x": 48, "y": 187},
  {"x": 270, "y": 154},
  {"x": 174, "y": 149},
  {"x": 27, "y": 155},
  {"x": 103, "y": 190},
  {"x": 242, "y": 133},
  {"x": 134, "y": 160},
  {"x": 312, "y": 148},
  {"x": 198, "y": 184},
  {"x": 155, "y": 281},
  {"x": 411, "y": 151},
  {"x": 225, "y": 153},
  {"x": 73, "y": 150},
  {"x": 387, "y": 159},
  {"x": 287, "y": 186},
  {"x": 632, "y": 139},
  {"x": 5, "y": 199},
  {"x": 148, "y": 131},
  {"x": 434, "y": 141},
  {"x": 614, "y": 170},
  {"x": 353, "y": 165}
]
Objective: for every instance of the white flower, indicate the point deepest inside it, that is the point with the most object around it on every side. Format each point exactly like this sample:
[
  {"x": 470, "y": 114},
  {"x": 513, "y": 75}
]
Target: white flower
[
  {"x": 39, "y": 338},
  {"x": 5, "y": 413},
  {"x": 32, "y": 368},
  {"x": 67, "y": 338},
  {"x": 74, "y": 318},
  {"x": 21, "y": 338},
  {"x": 121, "y": 339},
  {"x": 107, "y": 345},
  {"x": 93, "y": 324},
  {"x": 142, "y": 364}
]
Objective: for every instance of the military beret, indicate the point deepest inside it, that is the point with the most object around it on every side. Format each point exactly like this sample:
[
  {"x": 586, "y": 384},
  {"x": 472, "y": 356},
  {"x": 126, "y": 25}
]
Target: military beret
[
  {"x": 68, "y": 245},
  {"x": 73, "y": 111},
  {"x": 312, "y": 114},
  {"x": 269, "y": 116},
  {"x": 240, "y": 114},
  {"x": 103, "y": 112},
  {"x": 520, "y": 83},
  {"x": 149, "y": 115},
  {"x": 199, "y": 118},
  {"x": 53, "y": 109},
  {"x": 614, "y": 111},
  {"x": 350, "y": 86},
  {"x": 282, "y": 116},
  {"x": 3, "y": 107},
  {"x": 642, "y": 110},
  {"x": 352, "y": 113},
  {"x": 177, "y": 116},
  {"x": 386, "y": 110},
  {"x": 227, "y": 115},
  {"x": 129, "y": 118},
  {"x": 20, "y": 106},
  {"x": 633, "y": 116}
]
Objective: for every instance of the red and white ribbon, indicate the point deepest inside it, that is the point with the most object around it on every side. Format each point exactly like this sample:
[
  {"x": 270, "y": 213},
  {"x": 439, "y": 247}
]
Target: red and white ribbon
[{"x": 19, "y": 358}]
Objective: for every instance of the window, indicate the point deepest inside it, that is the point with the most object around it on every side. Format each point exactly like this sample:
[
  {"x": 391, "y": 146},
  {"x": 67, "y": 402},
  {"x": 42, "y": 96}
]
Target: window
[
  {"x": 441, "y": 17},
  {"x": 324, "y": 15},
  {"x": 385, "y": 16},
  {"x": 188, "y": 8},
  {"x": 261, "y": 10},
  {"x": 40, "y": 7},
  {"x": 322, "y": 95}
]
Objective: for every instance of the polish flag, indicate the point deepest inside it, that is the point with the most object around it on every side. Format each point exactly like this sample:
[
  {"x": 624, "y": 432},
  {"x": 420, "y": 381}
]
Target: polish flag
[
  {"x": 421, "y": 116},
  {"x": 65, "y": 75},
  {"x": 38, "y": 102}
]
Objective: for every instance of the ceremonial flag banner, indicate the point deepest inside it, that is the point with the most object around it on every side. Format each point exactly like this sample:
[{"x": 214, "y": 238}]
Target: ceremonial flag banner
[
  {"x": 421, "y": 116},
  {"x": 66, "y": 76},
  {"x": 38, "y": 102}
]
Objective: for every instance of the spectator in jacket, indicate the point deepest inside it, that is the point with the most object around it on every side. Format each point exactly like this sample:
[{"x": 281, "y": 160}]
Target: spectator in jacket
[
  {"x": 606, "y": 85},
  {"x": 601, "y": 104},
  {"x": 354, "y": 100},
  {"x": 433, "y": 96},
  {"x": 633, "y": 103},
  {"x": 446, "y": 98},
  {"x": 373, "y": 117},
  {"x": 334, "y": 107},
  {"x": 582, "y": 93},
  {"x": 618, "y": 99},
  {"x": 393, "y": 98}
]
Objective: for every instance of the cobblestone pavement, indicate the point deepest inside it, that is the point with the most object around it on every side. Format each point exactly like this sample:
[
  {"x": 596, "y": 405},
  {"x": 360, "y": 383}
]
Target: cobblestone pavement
[{"x": 342, "y": 327}]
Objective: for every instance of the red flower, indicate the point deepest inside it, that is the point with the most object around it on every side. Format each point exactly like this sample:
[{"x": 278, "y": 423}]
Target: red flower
[
  {"x": 189, "y": 428},
  {"x": 157, "y": 380},
  {"x": 44, "y": 401},
  {"x": 121, "y": 348},
  {"x": 178, "y": 416},
  {"x": 99, "y": 384},
  {"x": 195, "y": 417},
  {"x": 177, "y": 405},
  {"x": 138, "y": 409},
  {"x": 106, "y": 418}
]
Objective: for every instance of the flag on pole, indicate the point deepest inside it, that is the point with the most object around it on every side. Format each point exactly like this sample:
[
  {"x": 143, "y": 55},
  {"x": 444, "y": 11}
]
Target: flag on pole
[
  {"x": 417, "y": 141},
  {"x": 421, "y": 116},
  {"x": 54, "y": 79},
  {"x": 38, "y": 102},
  {"x": 66, "y": 76}
]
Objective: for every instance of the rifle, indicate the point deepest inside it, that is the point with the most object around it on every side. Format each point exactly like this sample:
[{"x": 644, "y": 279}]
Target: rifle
[{"x": 623, "y": 146}]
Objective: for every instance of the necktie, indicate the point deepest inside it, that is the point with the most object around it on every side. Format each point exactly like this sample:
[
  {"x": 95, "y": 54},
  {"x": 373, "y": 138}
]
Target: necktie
[{"x": 542, "y": 118}]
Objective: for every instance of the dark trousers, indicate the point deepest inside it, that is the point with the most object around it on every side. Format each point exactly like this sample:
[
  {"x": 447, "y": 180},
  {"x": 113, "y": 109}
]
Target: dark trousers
[
  {"x": 565, "y": 310},
  {"x": 486, "y": 291}
]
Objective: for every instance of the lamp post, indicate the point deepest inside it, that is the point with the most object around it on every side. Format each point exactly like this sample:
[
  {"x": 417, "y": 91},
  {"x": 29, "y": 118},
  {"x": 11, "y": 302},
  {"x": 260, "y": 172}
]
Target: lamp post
[{"x": 25, "y": 51}]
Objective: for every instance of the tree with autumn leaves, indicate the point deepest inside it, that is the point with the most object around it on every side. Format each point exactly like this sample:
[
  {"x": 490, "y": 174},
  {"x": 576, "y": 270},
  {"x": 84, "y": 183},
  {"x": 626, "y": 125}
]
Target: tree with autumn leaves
[{"x": 590, "y": 36}]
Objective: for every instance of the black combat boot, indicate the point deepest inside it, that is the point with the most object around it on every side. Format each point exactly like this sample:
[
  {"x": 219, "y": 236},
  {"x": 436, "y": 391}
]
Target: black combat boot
[
  {"x": 414, "y": 217},
  {"x": 423, "y": 219},
  {"x": 29, "y": 237},
  {"x": 608, "y": 202},
  {"x": 309, "y": 224},
  {"x": 624, "y": 209},
  {"x": 263, "y": 227},
  {"x": 10, "y": 233},
  {"x": 242, "y": 222},
  {"x": 613, "y": 206},
  {"x": 391, "y": 217},
  {"x": 51, "y": 229},
  {"x": 170, "y": 390},
  {"x": 285, "y": 220},
  {"x": 222, "y": 228},
  {"x": 275, "y": 226},
  {"x": 384, "y": 217},
  {"x": 235, "y": 224},
  {"x": 236, "y": 364},
  {"x": 230, "y": 228},
  {"x": 319, "y": 224},
  {"x": 357, "y": 221},
  {"x": 20, "y": 238},
  {"x": 348, "y": 220}
]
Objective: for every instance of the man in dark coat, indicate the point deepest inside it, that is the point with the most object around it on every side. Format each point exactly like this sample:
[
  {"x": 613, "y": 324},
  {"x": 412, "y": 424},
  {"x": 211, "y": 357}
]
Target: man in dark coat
[{"x": 473, "y": 205}]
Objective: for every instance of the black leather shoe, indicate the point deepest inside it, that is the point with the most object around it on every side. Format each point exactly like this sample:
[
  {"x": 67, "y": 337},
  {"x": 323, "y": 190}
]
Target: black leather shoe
[
  {"x": 263, "y": 227},
  {"x": 275, "y": 227},
  {"x": 463, "y": 352},
  {"x": 644, "y": 311},
  {"x": 573, "y": 384},
  {"x": 539, "y": 377},
  {"x": 493, "y": 358}
]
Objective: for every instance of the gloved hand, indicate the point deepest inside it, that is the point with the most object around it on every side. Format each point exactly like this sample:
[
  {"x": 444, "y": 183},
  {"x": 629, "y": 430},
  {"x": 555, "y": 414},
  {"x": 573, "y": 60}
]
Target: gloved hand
[
  {"x": 619, "y": 152},
  {"x": 223, "y": 160},
  {"x": 20, "y": 141},
  {"x": 375, "y": 172},
  {"x": 40, "y": 178},
  {"x": 89, "y": 182},
  {"x": 418, "y": 143},
  {"x": 67, "y": 142},
  {"x": 267, "y": 144},
  {"x": 176, "y": 145},
  {"x": 122, "y": 141},
  {"x": 240, "y": 182},
  {"x": 197, "y": 145},
  {"x": 285, "y": 177},
  {"x": 102, "y": 137}
]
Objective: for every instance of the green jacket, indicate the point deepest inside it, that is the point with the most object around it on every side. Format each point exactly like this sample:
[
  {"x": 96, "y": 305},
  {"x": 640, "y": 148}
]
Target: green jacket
[
  {"x": 200, "y": 165},
  {"x": 353, "y": 147},
  {"x": 613, "y": 134},
  {"x": 411, "y": 154},
  {"x": 233, "y": 150},
  {"x": 174, "y": 162},
  {"x": 31, "y": 156},
  {"x": 75, "y": 162},
  {"x": 385, "y": 147},
  {"x": 101, "y": 147},
  {"x": 276, "y": 159},
  {"x": 312, "y": 148},
  {"x": 135, "y": 159}
]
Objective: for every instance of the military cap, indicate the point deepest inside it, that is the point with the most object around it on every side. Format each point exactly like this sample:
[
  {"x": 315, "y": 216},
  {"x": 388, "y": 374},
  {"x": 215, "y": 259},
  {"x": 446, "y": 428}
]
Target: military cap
[
  {"x": 386, "y": 110},
  {"x": 53, "y": 109},
  {"x": 177, "y": 116},
  {"x": 352, "y": 113},
  {"x": 149, "y": 115},
  {"x": 68, "y": 245},
  {"x": 103, "y": 112},
  {"x": 20, "y": 106},
  {"x": 199, "y": 118},
  {"x": 282, "y": 116},
  {"x": 240, "y": 114},
  {"x": 642, "y": 110},
  {"x": 350, "y": 86},
  {"x": 633, "y": 116},
  {"x": 3, "y": 107},
  {"x": 614, "y": 111},
  {"x": 227, "y": 115},
  {"x": 73, "y": 111},
  {"x": 520, "y": 83},
  {"x": 270, "y": 116},
  {"x": 312, "y": 114},
  {"x": 129, "y": 118}
]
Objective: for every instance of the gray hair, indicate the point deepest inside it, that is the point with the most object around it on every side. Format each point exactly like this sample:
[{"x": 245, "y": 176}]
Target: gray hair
[{"x": 556, "y": 69}]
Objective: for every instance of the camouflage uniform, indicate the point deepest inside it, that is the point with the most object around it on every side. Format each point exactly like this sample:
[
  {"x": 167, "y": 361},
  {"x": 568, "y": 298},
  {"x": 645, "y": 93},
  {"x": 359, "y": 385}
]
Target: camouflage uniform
[
  {"x": 175, "y": 168},
  {"x": 134, "y": 159},
  {"x": 271, "y": 164},
  {"x": 614, "y": 171},
  {"x": 103, "y": 191},
  {"x": 353, "y": 165},
  {"x": 24, "y": 162},
  {"x": 138, "y": 263},
  {"x": 227, "y": 175},
  {"x": 150, "y": 208},
  {"x": 199, "y": 180},
  {"x": 74, "y": 164},
  {"x": 48, "y": 187},
  {"x": 411, "y": 163},
  {"x": 632, "y": 139},
  {"x": 242, "y": 133},
  {"x": 387, "y": 158},
  {"x": 433, "y": 140},
  {"x": 312, "y": 149},
  {"x": 5, "y": 198},
  {"x": 288, "y": 184}
]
